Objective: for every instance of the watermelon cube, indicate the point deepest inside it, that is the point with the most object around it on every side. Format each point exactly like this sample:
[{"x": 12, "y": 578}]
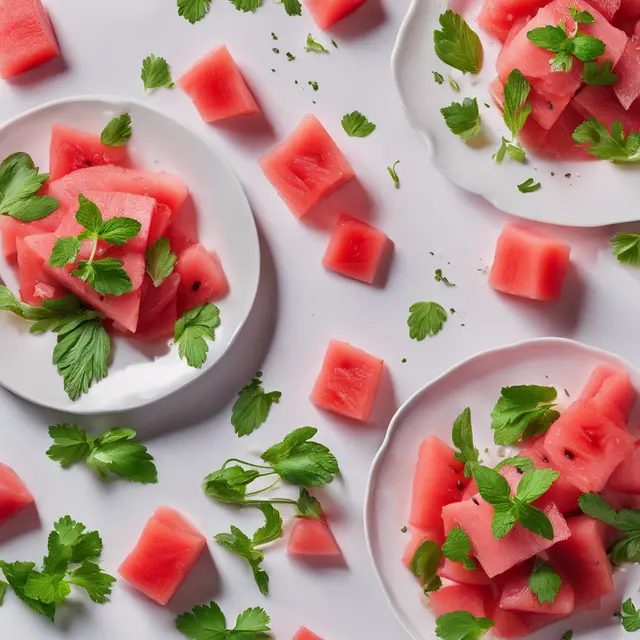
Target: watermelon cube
[
  {"x": 217, "y": 88},
  {"x": 14, "y": 495},
  {"x": 608, "y": 8},
  {"x": 625, "y": 477},
  {"x": 159, "y": 223},
  {"x": 27, "y": 38},
  {"x": 158, "y": 310},
  {"x": 348, "y": 381},
  {"x": 438, "y": 481},
  {"x": 182, "y": 231},
  {"x": 162, "y": 327},
  {"x": 310, "y": 537},
  {"x": 611, "y": 392},
  {"x": 327, "y": 12},
  {"x": 307, "y": 167},
  {"x": 165, "y": 553},
  {"x": 73, "y": 149},
  {"x": 529, "y": 264},
  {"x": 515, "y": 624},
  {"x": 418, "y": 536},
  {"x": 503, "y": 20},
  {"x": 627, "y": 87},
  {"x": 603, "y": 104},
  {"x": 304, "y": 634},
  {"x": 35, "y": 284},
  {"x": 355, "y": 250},
  {"x": 12, "y": 230},
  {"x": 629, "y": 10},
  {"x": 586, "y": 447},
  {"x": 559, "y": 143},
  {"x": 455, "y": 572},
  {"x": 459, "y": 597}
]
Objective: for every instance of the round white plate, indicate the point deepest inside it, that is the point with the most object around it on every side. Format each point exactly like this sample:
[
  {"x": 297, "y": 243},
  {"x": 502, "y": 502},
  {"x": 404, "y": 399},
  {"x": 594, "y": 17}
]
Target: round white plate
[
  {"x": 138, "y": 374},
  {"x": 476, "y": 383},
  {"x": 596, "y": 193}
]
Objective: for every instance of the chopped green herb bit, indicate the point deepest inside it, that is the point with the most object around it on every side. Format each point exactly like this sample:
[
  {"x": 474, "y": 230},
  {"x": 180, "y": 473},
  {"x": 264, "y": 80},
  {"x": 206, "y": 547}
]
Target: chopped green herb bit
[{"x": 529, "y": 186}]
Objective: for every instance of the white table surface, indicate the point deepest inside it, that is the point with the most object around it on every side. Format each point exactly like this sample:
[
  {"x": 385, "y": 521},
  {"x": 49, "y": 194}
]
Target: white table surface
[{"x": 299, "y": 308}]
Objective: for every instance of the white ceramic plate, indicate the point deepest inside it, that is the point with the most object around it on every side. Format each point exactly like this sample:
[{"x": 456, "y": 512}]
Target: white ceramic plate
[
  {"x": 475, "y": 383},
  {"x": 597, "y": 193},
  {"x": 137, "y": 375}
]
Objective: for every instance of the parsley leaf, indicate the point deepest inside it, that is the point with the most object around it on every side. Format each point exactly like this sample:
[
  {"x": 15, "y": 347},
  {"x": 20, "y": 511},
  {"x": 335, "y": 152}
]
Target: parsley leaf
[
  {"x": 394, "y": 175},
  {"x": 608, "y": 146},
  {"x": 106, "y": 276},
  {"x": 438, "y": 77},
  {"x": 461, "y": 625},
  {"x": 160, "y": 261},
  {"x": 314, "y": 46},
  {"x": 246, "y": 5},
  {"x": 252, "y": 407},
  {"x": 463, "y": 119},
  {"x": 357, "y": 125},
  {"x": 308, "y": 506},
  {"x": 117, "y": 132},
  {"x": 629, "y": 616},
  {"x": 293, "y": 7},
  {"x": 3, "y": 591},
  {"x": 193, "y": 10},
  {"x": 425, "y": 563},
  {"x": 529, "y": 186},
  {"x": 456, "y": 44},
  {"x": 17, "y": 574},
  {"x": 544, "y": 582},
  {"x": 209, "y": 623},
  {"x": 457, "y": 547},
  {"x": 626, "y": 247},
  {"x": 425, "y": 319},
  {"x": 229, "y": 484},
  {"x": 192, "y": 331},
  {"x": 155, "y": 70},
  {"x": 70, "y": 444},
  {"x": 523, "y": 412},
  {"x": 516, "y": 108},
  {"x": 603, "y": 76},
  {"x": 462, "y": 436}
]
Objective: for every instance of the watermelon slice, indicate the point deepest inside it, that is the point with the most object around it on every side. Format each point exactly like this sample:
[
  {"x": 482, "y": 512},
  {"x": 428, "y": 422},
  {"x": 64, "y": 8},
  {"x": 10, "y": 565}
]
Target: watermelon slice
[
  {"x": 438, "y": 480},
  {"x": 310, "y": 537},
  {"x": 162, "y": 327},
  {"x": 182, "y": 231},
  {"x": 348, "y": 381},
  {"x": 459, "y": 597},
  {"x": 355, "y": 249},
  {"x": 611, "y": 391},
  {"x": 159, "y": 223},
  {"x": 217, "y": 88},
  {"x": 306, "y": 167},
  {"x": 167, "y": 549},
  {"x": 503, "y": 19},
  {"x": 608, "y": 8},
  {"x": 327, "y": 12},
  {"x": 304, "y": 634},
  {"x": 14, "y": 495},
  {"x": 27, "y": 38},
  {"x": 629, "y": 10},
  {"x": 627, "y": 87},
  {"x": 73, "y": 149},
  {"x": 12, "y": 230},
  {"x": 586, "y": 447},
  {"x": 603, "y": 104},
  {"x": 626, "y": 478},
  {"x": 515, "y": 624},
  {"x": 455, "y": 572},
  {"x": 417, "y": 538},
  {"x": 529, "y": 264},
  {"x": 471, "y": 490},
  {"x": 202, "y": 278},
  {"x": 559, "y": 143},
  {"x": 165, "y": 188},
  {"x": 35, "y": 284}
]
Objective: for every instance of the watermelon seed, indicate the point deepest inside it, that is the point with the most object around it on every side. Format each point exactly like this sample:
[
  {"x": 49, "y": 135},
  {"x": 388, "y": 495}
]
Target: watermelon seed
[
  {"x": 195, "y": 286},
  {"x": 569, "y": 454},
  {"x": 475, "y": 501},
  {"x": 545, "y": 460},
  {"x": 459, "y": 486}
]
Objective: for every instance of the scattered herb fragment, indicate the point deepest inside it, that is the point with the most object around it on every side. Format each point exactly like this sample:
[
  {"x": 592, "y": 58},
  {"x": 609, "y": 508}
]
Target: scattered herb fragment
[
  {"x": 252, "y": 407},
  {"x": 314, "y": 46},
  {"x": 567, "y": 635},
  {"x": 425, "y": 319},
  {"x": 156, "y": 73},
  {"x": 438, "y": 277},
  {"x": 293, "y": 7},
  {"x": 529, "y": 186},
  {"x": 290, "y": 56},
  {"x": 357, "y": 125},
  {"x": 209, "y": 623},
  {"x": 403, "y": 530},
  {"x": 314, "y": 85},
  {"x": 438, "y": 77},
  {"x": 394, "y": 174},
  {"x": 454, "y": 85}
]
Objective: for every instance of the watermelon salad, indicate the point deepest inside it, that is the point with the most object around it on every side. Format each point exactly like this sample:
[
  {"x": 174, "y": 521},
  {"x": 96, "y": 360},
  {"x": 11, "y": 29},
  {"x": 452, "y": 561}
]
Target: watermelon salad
[{"x": 539, "y": 537}]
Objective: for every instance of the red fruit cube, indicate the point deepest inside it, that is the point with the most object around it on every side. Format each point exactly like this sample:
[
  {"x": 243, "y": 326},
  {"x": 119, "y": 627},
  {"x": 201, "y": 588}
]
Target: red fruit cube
[
  {"x": 12, "y": 230},
  {"x": 304, "y": 634},
  {"x": 626, "y": 478},
  {"x": 529, "y": 264},
  {"x": 328, "y": 12},
  {"x": 14, "y": 495},
  {"x": 612, "y": 394},
  {"x": 217, "y": 87},
  {"x": 348, "y": 381},
  {"x": 603, "y": 104},
  {"x": 459, "y": 597},
  {"x": 310, "y": 537},
  {"x": 455, "y": 572},
  {"x": 35, "y": 284}
]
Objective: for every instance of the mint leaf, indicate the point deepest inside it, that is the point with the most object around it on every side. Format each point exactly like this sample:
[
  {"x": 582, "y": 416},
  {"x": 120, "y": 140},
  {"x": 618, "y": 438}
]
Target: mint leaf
[
  {"x": 155, "y": 70},
  {"x": 65, "y": 251},
  {"x": 586, "y": 47},
  {"x": 117, "y": 132},
  {"x": 463, "y": 119},
  {"x": 516, "y": 109},
  {"x": 160, "y": 261},
  {"x": 626, "y": 247},
  {"x": 118, "y": 230},
  {"x": 357, "y": 125},
  {"x": 461, "y": 625},
  {"x": 252, "y": 407},
  {"x": 581, "y": 17},
  {"x": 457, "y": 548},
  {"x": 456, "y": 44},
  {"x": 535, "y": 483},
  {"x": 535, "y": 521},
  {"x": 521, "y": 463},
  {"x": 462, "y": 436},
  {"x": 425, "y": 319},
  {"x": 192, "y": 331},
  {"x": 88, "y": 215},
  {"x": 425, "y": 562},
  {"x": 293, "y": 7},
  {"x": 550, "y": 38},
  {"x": 544, "y": 582},
  {"x": 493, "y": 488},
  {"x": 603, "y": 76}
]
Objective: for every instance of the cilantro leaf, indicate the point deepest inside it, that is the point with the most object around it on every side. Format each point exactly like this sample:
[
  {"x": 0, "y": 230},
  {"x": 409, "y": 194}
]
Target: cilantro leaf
[
  {"x": 252, "y": 407},
  {"x": 608, "y": 146},
  {"x": 229, "y": 484},
  {"x": 117, "y": 132},
  {"x": 393, "y": 173},
  {"x": 246, "y": 5},
  {"x": 425, "y": 562},
  {"x": 603, "y": 76},
  {"x": 629, "y": 616},
  {"x": 17, "y": 574},
  {"x": 457, "y": 547},
  {"x": 463, "y": 119},
  {"x": 272, "y": 530},
  {"x": 516, "y": 109},
  {"x": 356, "y": 125},
  {"x": 529, "y": 186},
  {"x": 192, "y": 331},
  {"x": 626, "y": 247},
  {"x": 46, "y": 588},
  {"x": 522, "y": 412},
  {"x": 308, "y": 506},
  {"x": 70, "y": 444},
  {"x": 461, "y": 625},
  {"x": 209, "y": 623},
  {"x": 462, "y": 436},
  {"x": 456, "y": 44},
  {"x": 193, "y": 10},
  {"x": 544, "y": 582},
  {"x": 252, "y": 624},
  {"x": 438, "y": 77},
  {"x": 160, "y": 261},
  {"x": 92, "y": 578},
  {"x": 314, "y": 46},
  {"x": 155, "y": 70},
  {"x": 293, "y": 7},
  {"x": 425, "y": 319}
]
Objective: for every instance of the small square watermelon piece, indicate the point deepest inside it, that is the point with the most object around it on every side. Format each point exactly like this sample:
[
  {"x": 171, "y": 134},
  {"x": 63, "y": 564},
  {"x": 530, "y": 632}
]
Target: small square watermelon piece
[
  {"x": 529, "y": 264},
  {"x": 304, "y": 634},
  {"x": 307, "y": 167},
  {"x": 311, "y": 537},
  {"x": 165, "y": 553},
  {"x": 355, "y": 250},
  {"x": 348, "y": 382},
  {"x": 14, "y": 495},
  {"x": 327, "y": 12},
  {"x": 459, "y": 597},
  {"x": 27, "y": 38},
  {"x": 217, "y": 88}
]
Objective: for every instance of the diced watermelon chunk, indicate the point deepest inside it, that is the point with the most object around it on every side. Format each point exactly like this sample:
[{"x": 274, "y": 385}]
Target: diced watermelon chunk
[
  {"x": 503, "y": 20},
  {"x": 36, "y": 284},
  {"x": 418, "y": 536},
  {"x": 355, "y": 250},
  {"x": 73, "y": 149},
  {"x": 327, "y": 12},
  {"x": 158, "y": 309},
  {"x": 27, "y": 38},
  {"x": 611, "y": 392},
  {"x": 161, "y": 327},
  {"x": 348, "y": 381},
  {"x": 438, "y": 481},
  {"x": 559, "y": 143},
  {"x": 217, "y": 87},
  {"x": 14, "y": 495},
  {"x": 12, "y": 230},
  {"x": 625, "y": 477},
  {"x": 629, "y": 10},
  {"x": 529, "y": 264},
  {"x": 202, "y": 278},
  {"x": 159, "y": 222},
  {"x": 165, "y": 188},
  {"x": 586, "y": 447},
  {"x": 608, "y": 8},
  {"x": 627, "y": 87},
  {"x": 459, "y": 597},
  {"x": 515, "y": 624},
  {"x": 182, "y": 231},
  {"x": 455, "y": 572},
  {"x": 603, "y": 104},
  {"x": 304, "y": 634},
  {"x": 471, "y": 490},
  {"x": 306, "y": 167},
  {"x": 583, "y": 560},
  {"x": 310, "y": 537}
]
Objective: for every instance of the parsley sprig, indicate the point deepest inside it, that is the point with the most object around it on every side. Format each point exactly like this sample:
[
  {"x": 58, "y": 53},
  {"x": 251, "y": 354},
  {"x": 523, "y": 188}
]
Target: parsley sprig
[
  {"x": 614, "y": 146},
  {"x": 193, "y": 10},
  {"x": 461, "y": 625},
  {"x": 515, "y": 111},
  {"x": 456, "y": 44},
  {"x": 629, "y": 616},
  {"x": 192, "y": 332},
  {"x": 463, "y": 119},
  {"x": 160, "y": 261},
  {"x": 426, "y": 318},
  {"x": 357, "y": 125},
  {"x": 252, "y": 407},
  {"x": 209, "y": 623}
]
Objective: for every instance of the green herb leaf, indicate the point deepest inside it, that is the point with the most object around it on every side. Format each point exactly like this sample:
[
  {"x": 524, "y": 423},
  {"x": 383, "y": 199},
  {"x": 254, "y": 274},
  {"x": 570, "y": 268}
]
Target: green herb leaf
[
  {"x": 314, "y": 46},
  {"x": 425, "y": 319},
  {"x": 193, "y": 10},
  {"x": 155, "y": 70},
  {"x": 209, "y": 623},
  {"x": 252, "y": 407},
  {"x": 522, "y": 463},
  {"x": 88, "y": 215},
  {"x": 70, "y": 444},
  {"x": 457, "y": 547},
  {"x": 630, "y": 616},
  {"x": 438, "y": 77},
  {"x": 394, "y": 175},
  {"x": 581, "y": 17},
  {"x": 17, "y": 574},
  {"x": 456, "y": 44},
  {"x": 597, "y": 507},
  {"x": 612, "y": 146},
  {"x": 106, "y": 276},
  {"x": 117, "y": 132},
  {"x": 602, "y": 76},
  {"x": 229, "y": 484},
  {"x": 272, "y": 530},
  {"x": 246, "y": 5},
  {"x": 3, "y": 591},
  {"x": 529, "y": 186},
  {"x": 46, "y": 588},
  {"x": 544, "y": 582},
  {"x": 118, "y": 230},
  {"x": 94, "y": 580},
  {"x": 535, "y": 483},
  {"x": 65, "y": 251},
  {"x": 438, "y": 277},
  {"x": 425, "y": 562},
  {"x": 493, "y": 488},
  {"x": 462, "y": 436},
  {"x": 463, "y": 119},
  {"x": 626, "y": 247},
  {"x": 535, "y": 520},
  {"x": 567, "y": 635},
  {"x": 160, "y": 261},
  {"x": 293, "y": 7},
  {"x": 308, "y": 506},
  {"x": 586, "y": 47},
  {"x": 516, "y": 108},
  {"x": 454, "y": 85},
  {"x": 192, "y": 331},
  {"x": 461, "y": 625},
  {"x": 357, "y": 125},
  {"x": 550, "y": 38}
]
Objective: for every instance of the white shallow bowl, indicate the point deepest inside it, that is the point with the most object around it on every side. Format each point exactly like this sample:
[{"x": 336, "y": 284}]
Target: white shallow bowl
[
  {"x": 475, "y": 383},
  {"x": 597, "y": 193},
  {"x": 138, "y": 374}
]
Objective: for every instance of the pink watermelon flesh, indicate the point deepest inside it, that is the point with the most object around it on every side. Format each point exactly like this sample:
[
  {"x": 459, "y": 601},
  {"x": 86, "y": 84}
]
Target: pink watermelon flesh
[
  {"x": 586, "y": 447},
  {"x": 123, "y": 309},
  {"x": 217, "y": 88},
  {"x": 629, "y": 10},
  {"x": 72, "y": 149},
  {"x": 159, "y": 222},
  {"x": 348, "y": 381},
  {"x": 182, "y": 231},
  {"x": 36, "y": 284},
  {"x": 459, "y": 597},
  {"x": 417, "y": 538},
  {"x": 583, "y": 560},
  {"x": 603, "y": 104},
  {"x": 14, "y": 495},
  {"x": 311, "y": 537},
  {"x": 307, "y": 167},
  {"x": 12, "y": 230},
  {"x": 438, "y": 481},
  {"x": 503, "y": 19},
  {"x": 608, "y": 8},
  {"x": 626, "y": 478},
  {"x": 355, "y": 250},
  {"x": 455, "y": 572},
  {"x": 559, "y": 143},
  {"x": 327, "y": 12},
  {"x": 155, "y": 299},
  {"x": 202, "y": 278},
  {"x": 611, "y": 392},
  {"x": 165, "y": 188},
  {"x": 27, "y": 38},
  {"x": 627, "y": 87},
  {"x": 304, "y": 634},
  {"x": 529, "y": 264},
  {"x": 167, "y": 549},
  {"x": 471, "y": 490},
  {"x": 515, "y": 624}
]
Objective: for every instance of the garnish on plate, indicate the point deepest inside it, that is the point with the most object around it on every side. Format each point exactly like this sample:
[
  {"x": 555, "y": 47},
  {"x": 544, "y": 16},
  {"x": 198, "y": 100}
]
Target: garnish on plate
[
  {"x": 614, "y": 146},
  {"x": 461, "y": 625},
  {"x": 193, "y": 330},
  {"x": 463, "y": 119},
  {"x": 314, "y": 46},
  {"x": 516, "y": 111},
  {"x": 529, "y": 186},
  {"x": 544, "y": 582},
  {"x": 117, "y": 132},
  {"x": 160, "y": 261},
  {"x": 456, "y": 44}
]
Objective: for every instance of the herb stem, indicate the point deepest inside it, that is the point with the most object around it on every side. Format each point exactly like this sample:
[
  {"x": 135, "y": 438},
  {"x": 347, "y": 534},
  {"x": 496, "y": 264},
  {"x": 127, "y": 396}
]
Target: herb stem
[
  {"x": 273, "y": 484},
  {"x": 91, "y": 257},
  {"x": 249, "y": 464}
]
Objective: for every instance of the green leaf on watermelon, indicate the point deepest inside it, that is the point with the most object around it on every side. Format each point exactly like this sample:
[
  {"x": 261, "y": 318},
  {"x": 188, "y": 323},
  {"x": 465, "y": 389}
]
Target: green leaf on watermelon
[
  {"x": 612, "y": 146},
  {"x": 308, "y": 506},
  {"x": 462, "y": 436},
  {"x": 461, "y": 625},
  {"x": 117, "y": 132},
  {"x": 425, "y": 562},
  {"x": 457, "y": 548},
  {"x": 601, "y": 76},
  {"x": 544, "y": 582},
  {"x": 160, "y": 261},
  {"x": 192, "y": 332}
]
